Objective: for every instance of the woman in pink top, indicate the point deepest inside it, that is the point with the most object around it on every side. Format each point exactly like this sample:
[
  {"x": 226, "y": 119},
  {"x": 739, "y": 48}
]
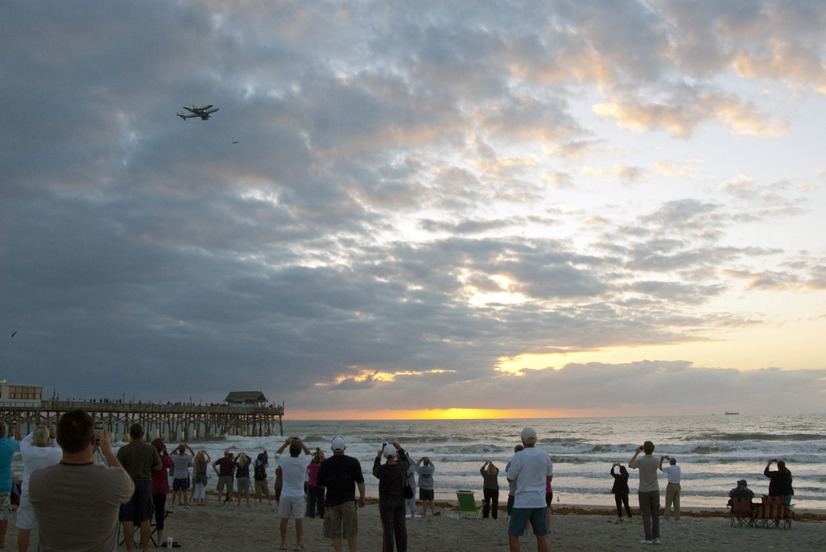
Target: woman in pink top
[
  {"x": 160, "y": 485},
  {"x": 315, "y": 494}
]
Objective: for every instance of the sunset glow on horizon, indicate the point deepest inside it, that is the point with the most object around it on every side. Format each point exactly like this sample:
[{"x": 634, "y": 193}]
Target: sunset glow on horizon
[{"x": 444, "y": 414}]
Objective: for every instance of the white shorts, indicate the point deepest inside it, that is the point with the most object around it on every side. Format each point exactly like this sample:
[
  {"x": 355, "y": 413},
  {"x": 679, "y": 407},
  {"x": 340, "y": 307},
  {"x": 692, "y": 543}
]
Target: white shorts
[
  {"x": 25, "y": 513},
  {"x": 291, "y": 505}
]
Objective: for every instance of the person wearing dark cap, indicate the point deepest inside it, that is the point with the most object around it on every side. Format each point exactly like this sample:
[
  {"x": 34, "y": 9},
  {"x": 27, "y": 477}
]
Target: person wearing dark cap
[
  {"x": 741, "y": 491},
  {"x": 339, "y": 475},
  {"x": 531, "y": 469}
]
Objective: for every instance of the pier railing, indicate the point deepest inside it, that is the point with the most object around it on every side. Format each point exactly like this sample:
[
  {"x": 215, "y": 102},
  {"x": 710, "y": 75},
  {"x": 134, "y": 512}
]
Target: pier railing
[{"x": 172, "y": 421}]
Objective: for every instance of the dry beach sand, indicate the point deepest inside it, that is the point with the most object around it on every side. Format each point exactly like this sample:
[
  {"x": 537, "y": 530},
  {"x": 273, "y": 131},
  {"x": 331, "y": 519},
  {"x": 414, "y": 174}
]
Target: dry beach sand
[{"x": 229, "y": 528}]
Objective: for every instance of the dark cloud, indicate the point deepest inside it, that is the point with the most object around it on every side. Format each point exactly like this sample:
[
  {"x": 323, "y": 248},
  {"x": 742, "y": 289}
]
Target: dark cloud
[{"x": 392, "y": 198}]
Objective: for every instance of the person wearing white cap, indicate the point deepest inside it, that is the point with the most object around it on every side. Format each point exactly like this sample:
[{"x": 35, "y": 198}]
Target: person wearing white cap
[
  {"x": 531, "y": 470},
  {"x": 340, "y": 474},
  {"x": 392, "y": 476}
]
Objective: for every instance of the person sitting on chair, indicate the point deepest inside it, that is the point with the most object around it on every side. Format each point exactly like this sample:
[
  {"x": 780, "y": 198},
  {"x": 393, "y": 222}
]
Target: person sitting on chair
[{"x": 741, "y": 491}]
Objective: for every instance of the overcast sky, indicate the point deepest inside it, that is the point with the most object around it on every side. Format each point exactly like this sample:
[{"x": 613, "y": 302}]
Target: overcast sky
[{"x": 541, "y": 208}]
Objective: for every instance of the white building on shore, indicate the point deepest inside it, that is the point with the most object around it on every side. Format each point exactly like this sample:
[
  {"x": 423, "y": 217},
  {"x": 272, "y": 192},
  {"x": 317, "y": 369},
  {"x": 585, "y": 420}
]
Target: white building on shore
[{"x": 12, "y": 394}]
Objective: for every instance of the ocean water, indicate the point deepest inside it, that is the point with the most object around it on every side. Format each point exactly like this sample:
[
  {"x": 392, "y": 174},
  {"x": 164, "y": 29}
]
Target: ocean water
[{"x": 713, "y": 451}]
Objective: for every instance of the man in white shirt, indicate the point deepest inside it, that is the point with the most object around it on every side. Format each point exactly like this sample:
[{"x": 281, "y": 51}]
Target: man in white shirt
[
  {"x": 672, "y": 490},
  {"x": 531, "y": 470},
  {"x": 37, "y": 451},
  {"x": 293, "y": 468}
]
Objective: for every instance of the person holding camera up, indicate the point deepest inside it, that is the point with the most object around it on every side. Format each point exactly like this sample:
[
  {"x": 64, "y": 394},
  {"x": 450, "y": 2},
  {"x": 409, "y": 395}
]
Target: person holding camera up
[
  {"x": 425, "y": 469},
  {"x": 490, "y": 489},
  {"x": 672, "y": 489},
  {"x": 649, "y": 492},
  {"x": 180, "y": 475},
  {"x": 37, "y": 450},
  {"x": 392, "y": 476},
  {"x": 293, "y": 468},
  {"x": 620, "y": 489},
  {"x": 76, "y": 501},
  {"x": 780, "y": 483},
  {"x": 225, "y": 468}
]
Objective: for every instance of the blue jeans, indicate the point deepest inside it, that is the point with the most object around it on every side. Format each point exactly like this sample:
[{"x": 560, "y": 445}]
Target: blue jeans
[{"x": 650, "y": 509}]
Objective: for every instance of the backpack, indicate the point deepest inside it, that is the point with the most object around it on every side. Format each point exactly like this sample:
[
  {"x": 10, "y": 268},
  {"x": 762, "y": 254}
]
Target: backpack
[{"x": 260, "y": 471}]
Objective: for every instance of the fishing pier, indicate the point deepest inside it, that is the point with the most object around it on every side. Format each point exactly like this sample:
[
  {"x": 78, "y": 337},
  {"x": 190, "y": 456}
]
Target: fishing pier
[{"x": 172, "y": 422}]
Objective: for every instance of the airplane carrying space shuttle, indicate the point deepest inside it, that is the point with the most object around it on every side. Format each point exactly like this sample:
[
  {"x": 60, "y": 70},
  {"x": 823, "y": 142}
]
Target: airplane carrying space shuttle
[{"x": 203, "y": 112}]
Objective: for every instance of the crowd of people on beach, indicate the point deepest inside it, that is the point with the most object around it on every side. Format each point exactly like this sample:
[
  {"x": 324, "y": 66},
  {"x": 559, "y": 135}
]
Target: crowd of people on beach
[{"x": 72, "y": 479}]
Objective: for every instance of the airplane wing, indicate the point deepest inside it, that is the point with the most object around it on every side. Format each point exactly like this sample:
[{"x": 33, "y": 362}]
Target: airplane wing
[
  {"x": 207, "y": 112},
  {"x": 186, "y": 116},
  {"x": 197, "y": 109}
]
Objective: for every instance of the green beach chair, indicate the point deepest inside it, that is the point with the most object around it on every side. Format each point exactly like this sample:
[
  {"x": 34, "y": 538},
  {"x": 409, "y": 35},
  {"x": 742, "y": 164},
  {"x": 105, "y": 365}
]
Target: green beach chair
[{"x": 467, "y": 504}]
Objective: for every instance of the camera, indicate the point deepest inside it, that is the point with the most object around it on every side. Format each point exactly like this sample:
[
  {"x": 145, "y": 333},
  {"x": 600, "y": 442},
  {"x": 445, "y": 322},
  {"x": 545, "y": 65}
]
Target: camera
[{"x": 98, "y": 430}]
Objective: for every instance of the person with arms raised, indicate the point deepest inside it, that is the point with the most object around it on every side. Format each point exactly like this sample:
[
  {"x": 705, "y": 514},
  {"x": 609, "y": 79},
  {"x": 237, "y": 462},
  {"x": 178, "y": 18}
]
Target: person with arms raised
[
  {"x": 76, "y": 502},
  {"x": 392, "y": 476},
  {"x": 649, "y": 492},
  {"x": 293, "y": 468},
  {"x": 37, "y": 451}
]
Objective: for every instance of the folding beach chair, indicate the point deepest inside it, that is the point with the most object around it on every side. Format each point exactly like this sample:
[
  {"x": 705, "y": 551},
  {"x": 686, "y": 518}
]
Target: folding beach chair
[
  {"x": 136, "y": 532},
  {"x": 155, "y": 528},
  {"x": 740, "y": 513},
  {"x": 773, "y": 513},
  {"x": 467, "y": 504}
]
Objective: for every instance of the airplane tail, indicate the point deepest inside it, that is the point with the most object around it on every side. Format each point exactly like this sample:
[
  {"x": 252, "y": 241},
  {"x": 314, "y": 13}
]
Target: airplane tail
[{"x": 181, "y": 116}]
